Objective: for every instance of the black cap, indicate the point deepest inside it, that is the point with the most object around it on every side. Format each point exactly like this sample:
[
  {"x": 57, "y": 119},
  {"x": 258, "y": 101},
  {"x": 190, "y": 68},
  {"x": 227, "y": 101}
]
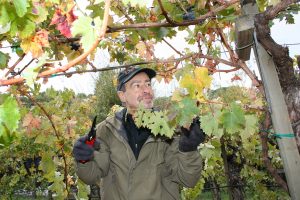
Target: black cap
[{"x": 128, "y": 73}]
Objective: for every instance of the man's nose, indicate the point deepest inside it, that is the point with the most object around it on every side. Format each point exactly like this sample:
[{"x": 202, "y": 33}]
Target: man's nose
[{"x": 147, "y": 89}]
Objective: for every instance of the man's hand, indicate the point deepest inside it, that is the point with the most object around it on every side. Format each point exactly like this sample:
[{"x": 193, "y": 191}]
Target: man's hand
[
  {"x": 190, "y": 139},
  {"x": 83, "y": 152},
  {"x": 84, "y": 147}
]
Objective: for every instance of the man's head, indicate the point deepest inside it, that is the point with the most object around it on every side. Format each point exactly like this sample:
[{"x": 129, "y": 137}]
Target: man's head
[{"x": 134, "y": 87}]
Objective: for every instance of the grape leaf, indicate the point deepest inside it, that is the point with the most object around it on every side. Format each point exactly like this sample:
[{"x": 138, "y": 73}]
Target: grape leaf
[
  {"x": 186, "y": 111},
  {"x": 39, "y": 13},
  {"x": 233, "y": 119},
  {"x": 207, "y": 150},
  {"x": 196, "y": 83},
  {"x": 58, "y": 185},
  {"x": 158, "y": 125},
  {"x": 48, "y": 166},
  {"x": 63, "y": 21},
  {"x": 31, "y": 72},
  {"x": 3, "y": 60},
  {"x": 4, "y": 17},
  {"x": 210, "y": 124},
  {"x": 83, "y": 190},
  {"x": 84, "y": 26},
  {"x": 250, "y": 127},
  {"x": 156, "y": 121},
  {"x": 9, "y": 115},
  {"x": 35, "y": 44},
  {"x": 21, "y": 7}
]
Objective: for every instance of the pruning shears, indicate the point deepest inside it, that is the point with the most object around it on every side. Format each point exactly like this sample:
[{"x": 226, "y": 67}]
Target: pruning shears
[{"x": 92, "y": 134}]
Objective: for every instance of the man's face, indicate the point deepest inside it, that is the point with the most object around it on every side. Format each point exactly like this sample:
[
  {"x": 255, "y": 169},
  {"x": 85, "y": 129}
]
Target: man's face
[{"x": 138, "y": 91}]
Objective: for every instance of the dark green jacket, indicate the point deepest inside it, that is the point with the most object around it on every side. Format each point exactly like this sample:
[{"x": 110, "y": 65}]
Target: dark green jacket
[{"x": 157, "y": 173}]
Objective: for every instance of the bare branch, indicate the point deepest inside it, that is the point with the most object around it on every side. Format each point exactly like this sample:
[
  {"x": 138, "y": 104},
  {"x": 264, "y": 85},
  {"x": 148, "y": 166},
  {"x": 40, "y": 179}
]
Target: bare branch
[
  {"x": 16, "y": 63},
  {"x": 25, "y": 66},
  {"x": 164, "y": 12},
  {"x": 166, "y": 24},
  {"x": 280, "y": 54},
  {"x": 272, "y": 12},
  {"x": 188, "y": 56},
  {"x": 172, "y": 47}
]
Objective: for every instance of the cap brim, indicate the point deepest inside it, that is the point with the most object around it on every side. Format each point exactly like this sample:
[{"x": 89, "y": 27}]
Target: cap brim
[{"x": 150, "y": 72}]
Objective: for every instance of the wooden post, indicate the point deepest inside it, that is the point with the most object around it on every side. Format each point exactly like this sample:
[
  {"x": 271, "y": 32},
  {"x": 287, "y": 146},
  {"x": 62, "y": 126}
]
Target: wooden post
[
  {"x": 280, "y": 119},
  {"x": 275, "y": 98}
]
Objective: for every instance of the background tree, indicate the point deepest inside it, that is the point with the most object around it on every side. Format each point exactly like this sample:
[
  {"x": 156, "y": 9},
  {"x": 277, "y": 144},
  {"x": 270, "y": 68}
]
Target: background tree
[{"x": 105, "y": 88}]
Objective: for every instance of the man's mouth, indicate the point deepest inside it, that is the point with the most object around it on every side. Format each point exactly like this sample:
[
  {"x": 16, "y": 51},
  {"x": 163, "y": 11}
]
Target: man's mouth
[{"x": 146, "y": 98}]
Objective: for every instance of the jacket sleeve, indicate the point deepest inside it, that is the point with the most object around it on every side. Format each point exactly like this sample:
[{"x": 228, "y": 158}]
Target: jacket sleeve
[
  {"x": 91, "y": 172},
  {"x": 185, "y": 167}
]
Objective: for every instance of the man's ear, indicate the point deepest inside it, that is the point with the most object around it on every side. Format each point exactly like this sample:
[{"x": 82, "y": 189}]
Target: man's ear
[{"x": 121, "y": 96}]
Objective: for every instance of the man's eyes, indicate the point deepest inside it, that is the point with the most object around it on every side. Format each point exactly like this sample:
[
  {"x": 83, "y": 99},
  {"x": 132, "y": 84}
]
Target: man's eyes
[{"x": 138, "y": 85}]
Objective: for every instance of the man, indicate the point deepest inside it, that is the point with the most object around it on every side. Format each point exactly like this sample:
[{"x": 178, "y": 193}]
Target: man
[{"x": 133, "y": 164}]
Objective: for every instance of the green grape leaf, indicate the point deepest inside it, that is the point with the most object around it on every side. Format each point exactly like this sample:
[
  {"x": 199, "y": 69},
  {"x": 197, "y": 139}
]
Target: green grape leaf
[
  {"x": 48, "y": 166},
  {"x": 21, "y": 7},
  {"x": 138, "y": 119},
  {"x": 186, "y": 111},
  {"x": 83, "y": 190},
  {"x": 160, "y": 32},
  {"x": 156, "y": 121},
  {"x": 3, "y": 60},
  {"x": 30, "y": 75},
  {"x": 58, "y": 185},
  {"x": 31, "y": 72},
  {"x": 250, "y": 127},
  {"x": 4, "y": 17},
  {"x": 28, "y": 29},
  {"x": 50, "y": 140},
  {"x": 24, "y": 27},
  {"x": 233, "y": 119},
  {"x": 9, "y": 115},
  {"x": 210, "y": 124},
  {"x": 207, "y": 150},
  {"x": 97, "y": 11},
  {"x": 158, "y": 125},
  {"x": 84, "y": 26}
]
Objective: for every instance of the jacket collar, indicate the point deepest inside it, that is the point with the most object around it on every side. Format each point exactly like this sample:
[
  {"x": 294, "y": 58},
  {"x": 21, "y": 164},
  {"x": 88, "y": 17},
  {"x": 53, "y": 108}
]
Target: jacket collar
[{"x": 116, "y": 123}]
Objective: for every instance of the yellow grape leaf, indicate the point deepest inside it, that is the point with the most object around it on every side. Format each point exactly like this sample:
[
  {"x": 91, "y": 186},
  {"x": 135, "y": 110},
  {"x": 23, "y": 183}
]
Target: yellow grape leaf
[
  {"x": 35, "y": 44},
  {"x": 141, "y": 49},
  {"x": 187, "y": 82},
  {"x": 202, "y": 77},
  {"x": 196, "y": 83}
]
